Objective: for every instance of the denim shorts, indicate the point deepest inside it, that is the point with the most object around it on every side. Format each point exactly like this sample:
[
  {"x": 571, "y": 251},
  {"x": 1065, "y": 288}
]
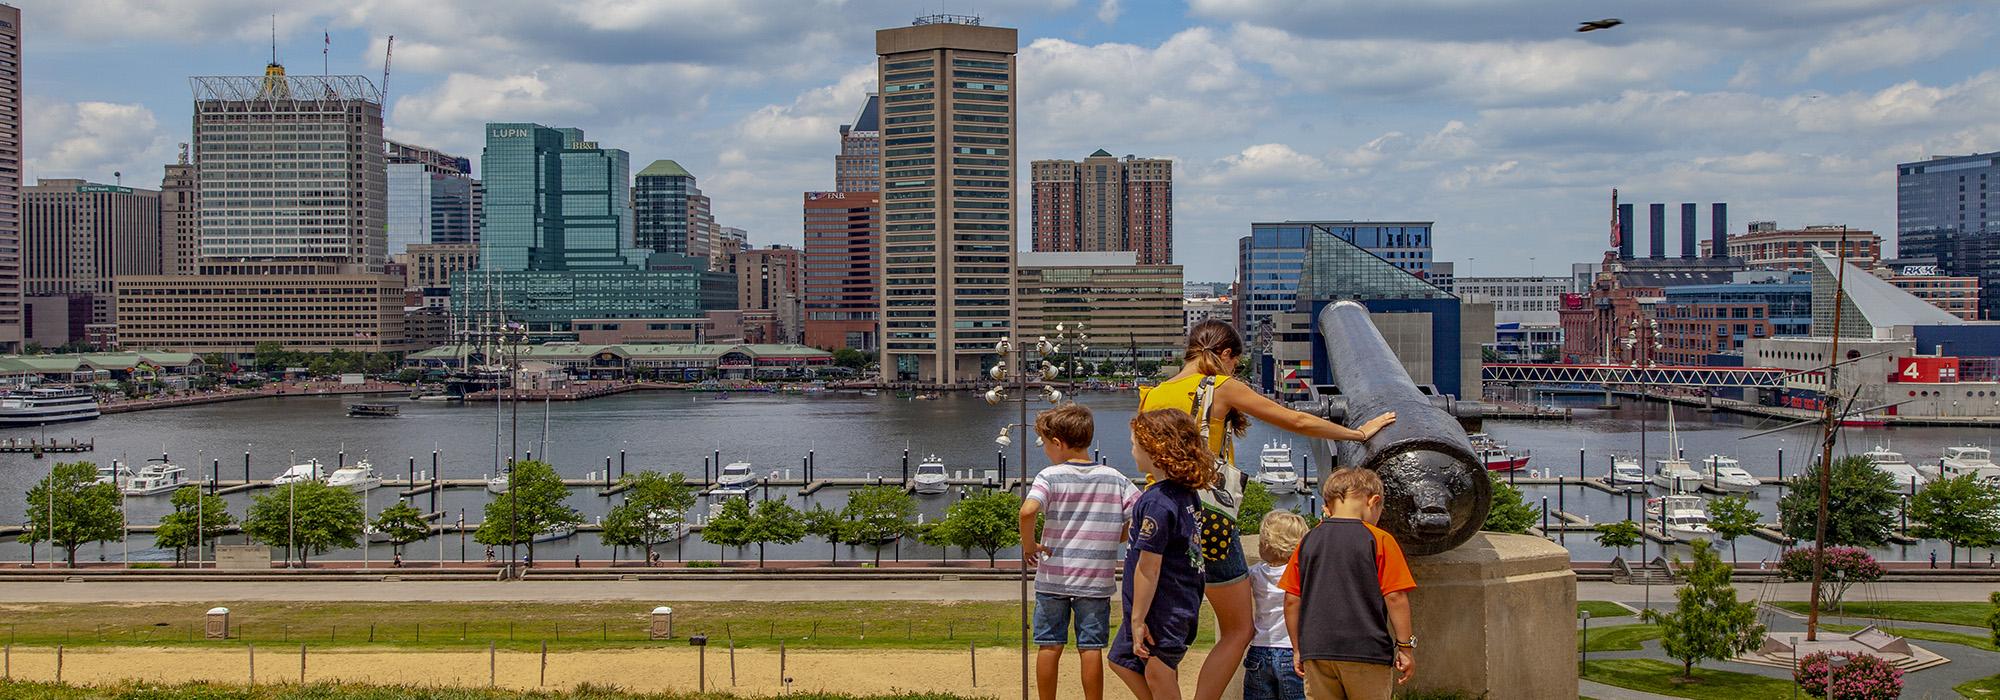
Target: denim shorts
[
  {"x": 1268, "y": 675},
  {"x": 1223, "y": 556},
  {"x": 1056, "y": 614}
]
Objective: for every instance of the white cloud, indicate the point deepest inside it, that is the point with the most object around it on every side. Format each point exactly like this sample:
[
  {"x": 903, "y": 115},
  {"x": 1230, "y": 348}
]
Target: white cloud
[
  {"x": 1886, "y": 43},
  {"x": 1261, "y": 166},
  {"x": 93, "y": 140},
  {"x": 1108, "y": 11},
  {"x": 1125, "y": 96}
]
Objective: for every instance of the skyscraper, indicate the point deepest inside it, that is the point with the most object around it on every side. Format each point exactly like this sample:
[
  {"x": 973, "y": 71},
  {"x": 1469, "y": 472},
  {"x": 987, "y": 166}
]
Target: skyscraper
[
  {"x": 555, "y": 202},
  {"x": 948, "y": 239},
  {"x": 858, "y": 168},
  {"x": 77, "y": 236},
  {"x": 665, "y": 207},
  {"x": 430, "y": 197},
  {"x": 180, "y": 218},
  {"x": 291, "y": 169},
  {"x": 1270, "y": 261},
  {"x": 1105, "y": 204},
  {"x": 773, "y": 279},
  {"x": 11, "y": 329},
  {"x": 843, "y": 270},
  {"x": 1947, "y": 211}
]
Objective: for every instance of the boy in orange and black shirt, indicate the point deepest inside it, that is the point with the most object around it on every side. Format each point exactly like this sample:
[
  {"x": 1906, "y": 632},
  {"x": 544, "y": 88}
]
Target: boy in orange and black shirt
[{"x": 1346, "y": 597}]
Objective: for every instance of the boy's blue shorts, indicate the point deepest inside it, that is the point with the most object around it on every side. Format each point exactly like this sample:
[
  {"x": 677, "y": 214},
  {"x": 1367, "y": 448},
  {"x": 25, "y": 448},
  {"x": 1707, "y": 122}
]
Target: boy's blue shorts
[{"x": 1055, "y": 614}]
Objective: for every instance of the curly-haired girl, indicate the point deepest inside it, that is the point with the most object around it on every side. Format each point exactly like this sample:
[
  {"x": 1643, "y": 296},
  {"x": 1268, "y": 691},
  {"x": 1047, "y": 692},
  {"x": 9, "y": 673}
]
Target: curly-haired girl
[{"x": 1163, "y": 568}]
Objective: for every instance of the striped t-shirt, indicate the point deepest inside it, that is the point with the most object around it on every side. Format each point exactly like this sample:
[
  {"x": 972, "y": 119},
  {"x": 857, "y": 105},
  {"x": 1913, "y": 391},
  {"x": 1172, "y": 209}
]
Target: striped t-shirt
[{"x": 1084, "y": 509}]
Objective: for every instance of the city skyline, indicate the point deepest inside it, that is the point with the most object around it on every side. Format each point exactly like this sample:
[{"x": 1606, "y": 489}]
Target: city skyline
[{"x": 1503, "y": 124}]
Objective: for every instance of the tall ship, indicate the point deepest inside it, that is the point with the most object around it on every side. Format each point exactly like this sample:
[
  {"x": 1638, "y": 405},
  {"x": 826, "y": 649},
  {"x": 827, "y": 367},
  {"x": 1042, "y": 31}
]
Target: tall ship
[{"x": 47, "y": 405}]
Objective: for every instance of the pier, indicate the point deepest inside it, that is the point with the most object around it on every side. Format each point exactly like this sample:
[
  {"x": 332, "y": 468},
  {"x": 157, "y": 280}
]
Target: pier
[{"x": 38, "y": 446}]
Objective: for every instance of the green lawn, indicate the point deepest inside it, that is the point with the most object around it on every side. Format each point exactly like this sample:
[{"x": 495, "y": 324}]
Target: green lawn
[
  {"x": 1661, "y": 677},
  {"x": 1601, "y": 609},
  {"x": 50, "y": 691},
  {"x": 1982, "y": 688},
  {"x": 1968, "y": 614},
  {"x": 1976, "y": 641},
  {"x": 1618, "y": 637}
]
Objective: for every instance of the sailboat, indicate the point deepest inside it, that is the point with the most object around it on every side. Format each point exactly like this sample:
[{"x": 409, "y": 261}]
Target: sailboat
[{"x": 1674, "y": 473}]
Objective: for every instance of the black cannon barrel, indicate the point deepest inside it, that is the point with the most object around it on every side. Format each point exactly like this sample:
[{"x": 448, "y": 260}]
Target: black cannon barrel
[{"x": 1437, "y": 491}]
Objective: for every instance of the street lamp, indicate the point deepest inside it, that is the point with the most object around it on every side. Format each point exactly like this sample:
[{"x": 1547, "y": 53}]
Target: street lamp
[
  {"x": 513, "y": 333},
  {"x": 1019, "y": 393}
]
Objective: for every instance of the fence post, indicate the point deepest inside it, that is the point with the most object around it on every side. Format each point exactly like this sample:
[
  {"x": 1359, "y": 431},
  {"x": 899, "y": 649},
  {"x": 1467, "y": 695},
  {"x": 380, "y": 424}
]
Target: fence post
[
  {"x": 59, "y": 664},
  {"x": 302, "y": 664},
  {"x": 492, "y": 666},
  {"x": 782, "y": 680},
  {"x": 253, "y": 663},
  {"x": 972, "y": 651},
  {"x": 732, "y": 663},
  {"x": 545, "y": 662},
  {"x": 10, "y": 662}
]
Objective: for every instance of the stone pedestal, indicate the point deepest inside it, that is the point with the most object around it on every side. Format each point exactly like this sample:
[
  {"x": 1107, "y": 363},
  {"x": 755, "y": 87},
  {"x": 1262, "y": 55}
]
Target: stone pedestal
[
  {"x": 252, "y": 557},
  {"x": 1497, "y": 614}
]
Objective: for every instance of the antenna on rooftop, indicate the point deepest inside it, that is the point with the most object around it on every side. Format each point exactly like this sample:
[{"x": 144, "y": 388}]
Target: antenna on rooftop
[{"x": 274, "y": 39}]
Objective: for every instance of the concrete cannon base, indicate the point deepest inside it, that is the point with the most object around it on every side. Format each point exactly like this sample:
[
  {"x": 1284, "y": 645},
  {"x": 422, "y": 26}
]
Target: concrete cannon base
[{"x": 1497, "y": 614}]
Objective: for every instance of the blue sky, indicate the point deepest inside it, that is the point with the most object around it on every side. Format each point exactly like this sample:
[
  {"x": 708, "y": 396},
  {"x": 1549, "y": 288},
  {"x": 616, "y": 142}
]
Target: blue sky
[{"x": 1491, "y": 117}]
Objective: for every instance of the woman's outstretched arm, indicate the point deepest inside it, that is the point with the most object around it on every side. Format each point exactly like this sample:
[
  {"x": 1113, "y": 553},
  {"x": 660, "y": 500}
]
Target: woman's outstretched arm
[{"x": 1241, "y": 397}]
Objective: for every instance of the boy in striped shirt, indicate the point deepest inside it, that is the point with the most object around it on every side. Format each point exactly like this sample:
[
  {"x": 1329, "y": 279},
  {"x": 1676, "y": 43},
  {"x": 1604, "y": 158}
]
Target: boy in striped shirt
[{"x": 1085, "y": 506}]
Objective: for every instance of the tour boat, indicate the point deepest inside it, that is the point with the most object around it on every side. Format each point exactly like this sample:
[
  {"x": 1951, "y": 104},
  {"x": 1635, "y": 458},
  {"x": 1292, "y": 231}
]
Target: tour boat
[
  {"x": 157, "y": 477},
  {"x": 1726, "y": 474},
  {"x": 116, "y": 474},
  {"x": 735, "y": 475},
  {"x": 930, "y": 477},
  {"x": 1625, "y": 471},
  {"x": 307, "y": 471},
  {"x": 1959, "y": 461},
  {"x": 1275, "y": 468},
  {"x": 359, "y": 476},
  {"x": 373, "y": 410},
  {"x": 1892, "y": 463},
  {"x": 47, "y": 405}
]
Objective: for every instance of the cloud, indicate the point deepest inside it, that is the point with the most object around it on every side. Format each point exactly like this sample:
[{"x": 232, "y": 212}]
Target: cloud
[
  {"x": 1107, "y": 11},
  {"x": 1262, "y": 165},
  {"x": 92, "y": 140},
  {"x": 1885, "y": 43},
  {"x": 1487, "y": 20},
  {"x": 1126, "y": 96}
]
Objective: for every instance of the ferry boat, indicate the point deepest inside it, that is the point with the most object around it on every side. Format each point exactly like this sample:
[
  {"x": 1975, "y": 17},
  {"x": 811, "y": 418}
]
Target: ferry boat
[
  {"x": 1892, "y": 463},
  {"x": 307, "y": 471},
  {"x": 373, "y": 410},
  {"x": 1275, "y": 468},
  {"x": 1727, "y": 474},
  {"x": 358, "y": 477},
  {"x": 1496, "y": 456},
  {"x": 157, "y": 477},
  {"x": 735, "y": 475},
  {"x": 1625, "y": 471},
  {"x": 47, "y": 405},
  {"x": 1959, "y": 461},
  {"x": 930, "y": 477}
]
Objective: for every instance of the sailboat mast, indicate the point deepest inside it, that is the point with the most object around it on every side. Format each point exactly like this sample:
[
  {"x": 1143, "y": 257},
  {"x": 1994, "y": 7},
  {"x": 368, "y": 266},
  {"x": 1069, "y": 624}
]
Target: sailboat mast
[{"x": 1831, "y": 398}]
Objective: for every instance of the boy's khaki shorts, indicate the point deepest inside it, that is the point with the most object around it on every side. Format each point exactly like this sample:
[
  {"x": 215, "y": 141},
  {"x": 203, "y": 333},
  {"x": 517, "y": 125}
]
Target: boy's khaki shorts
[{"x": 1349, "y": 680}]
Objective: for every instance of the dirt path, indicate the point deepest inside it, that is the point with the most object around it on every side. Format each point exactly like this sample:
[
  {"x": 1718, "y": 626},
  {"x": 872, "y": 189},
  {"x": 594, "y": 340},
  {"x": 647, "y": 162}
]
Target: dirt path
[{"x": 653, "y": 670}]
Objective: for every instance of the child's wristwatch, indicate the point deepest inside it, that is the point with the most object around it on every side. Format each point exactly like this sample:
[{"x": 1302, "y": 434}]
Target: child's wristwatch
[{"x": 1412, "y": 644}]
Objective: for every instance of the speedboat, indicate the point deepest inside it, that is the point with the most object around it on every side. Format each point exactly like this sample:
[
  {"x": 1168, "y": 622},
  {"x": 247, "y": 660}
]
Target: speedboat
[
  {"x": 1625, "y": 471},
  {"x": 157, "y": 477},
  {"x": 1892, "y": 463},
  {"x": 1499, "y": 458},
  {"x": 357, "y": 477},
  {"x": 735, "y": 475},
  {"x": 1675, "y": 475},
  {"x": 116, "y": 474},
  {"x": 307, "y": 471},
  {"x": 1275, "y": 469},
  {"x": 1726, "y": 474},
  {"x": 930, "y": 477},
  {"x": 1960, "y": 461},
  {"x": 1686, "y": 517}
]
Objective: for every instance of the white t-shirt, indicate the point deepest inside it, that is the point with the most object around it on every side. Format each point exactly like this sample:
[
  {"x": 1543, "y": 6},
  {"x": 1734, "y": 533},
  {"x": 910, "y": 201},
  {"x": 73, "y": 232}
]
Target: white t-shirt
[{"x": 1269, "y": 602}]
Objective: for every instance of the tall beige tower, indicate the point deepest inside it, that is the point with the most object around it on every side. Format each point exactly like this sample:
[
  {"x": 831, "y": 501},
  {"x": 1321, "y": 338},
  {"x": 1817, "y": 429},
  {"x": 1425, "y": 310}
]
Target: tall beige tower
[
  {"x": 11, "y": 330},
  {"x": 948, "y": 225}
]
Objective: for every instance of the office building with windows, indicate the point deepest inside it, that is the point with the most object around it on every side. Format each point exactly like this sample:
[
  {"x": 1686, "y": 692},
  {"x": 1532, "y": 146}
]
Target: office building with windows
[
  {"x": 1131, "y": 310},
  {"x": 773, "y": 279},
  {"x": 1105, "y": 203},
  {"x": 77, "y": 236},
  {"x": 858, "y": 168},
  {"x": 1764, "y": 245},
  {"x": 13, "y": 327},
  {"x": 1268, "y": 264},
  {"x": 671, "y": 212},
  {"x": 430, "y": 198},
  {"x": 843, "y": 256},
  {"x": 948, "y": 180},
  {"x": 1948, "y": 211},
  {"x": 180, "y": 218}
]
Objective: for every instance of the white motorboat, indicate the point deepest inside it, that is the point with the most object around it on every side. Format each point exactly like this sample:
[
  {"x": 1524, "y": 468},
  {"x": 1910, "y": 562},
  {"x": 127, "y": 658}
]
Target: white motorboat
[
  {"x": 157, "y": 477},
  {"x": 1960, "y": 461},
  {"x": 669, "y": 531},
  {"x": 735, "y": 475},
  {"x": 1275, "y": 468},
  {"x": 1689, "y": 521},
  {"x": 1625, "y": 471},
  {"x": 560, "y": 533},
  {"x": 1727, "y": 474},
  {"x": 47, "y": 405},
  {"x": 359, "y": 476},
  {"x": 1892, "y": 463},
  {"x": 307, "y": 471},
  {"x": 497, "y": 484},
  {"x": 116, "y": 474},
  {"x": 930, "y": 477}
]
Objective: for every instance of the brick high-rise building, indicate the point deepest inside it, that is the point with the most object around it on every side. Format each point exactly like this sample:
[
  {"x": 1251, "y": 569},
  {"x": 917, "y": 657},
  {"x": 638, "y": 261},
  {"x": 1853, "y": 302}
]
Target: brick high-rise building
[
  {"x": 773, "y": 279},
  {"x": 77, "y": 236},
  {"x": 12, "y": 328},
  {"x": 948, "y": 171},
  {"x": 843, "y": 250},
  {"x": 1105, "y": 204},
  {"x": 180, "y": 218},
  {"x": 858, "y": 168}
]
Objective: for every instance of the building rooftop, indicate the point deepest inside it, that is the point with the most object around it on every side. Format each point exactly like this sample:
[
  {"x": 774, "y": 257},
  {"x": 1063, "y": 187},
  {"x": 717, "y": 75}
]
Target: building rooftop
[
  {"x": 665, "y": 168},
  {"x": 1879, "y": 303},
  {"x": 870, "y": 118}
]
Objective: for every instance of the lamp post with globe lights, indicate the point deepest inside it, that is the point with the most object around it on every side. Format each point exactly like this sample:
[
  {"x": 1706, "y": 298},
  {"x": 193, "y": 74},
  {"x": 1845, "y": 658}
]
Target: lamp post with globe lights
[{"x": 1020, "y": 394}]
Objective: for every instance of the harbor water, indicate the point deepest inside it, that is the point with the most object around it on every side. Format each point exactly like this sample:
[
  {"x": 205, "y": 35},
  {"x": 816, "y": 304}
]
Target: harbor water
[{"x": 850, "y": 435}]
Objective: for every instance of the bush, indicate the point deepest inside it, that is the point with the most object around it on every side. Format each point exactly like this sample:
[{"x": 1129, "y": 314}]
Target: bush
[
  {"x": 703, "y": 565},
  {"x": 1845, "y": 566},
  {"x": 1863, "y": 678}
]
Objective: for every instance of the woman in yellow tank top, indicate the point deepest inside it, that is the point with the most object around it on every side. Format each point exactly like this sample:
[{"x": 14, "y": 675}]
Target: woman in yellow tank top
[{"x": 1204, "y": 387}]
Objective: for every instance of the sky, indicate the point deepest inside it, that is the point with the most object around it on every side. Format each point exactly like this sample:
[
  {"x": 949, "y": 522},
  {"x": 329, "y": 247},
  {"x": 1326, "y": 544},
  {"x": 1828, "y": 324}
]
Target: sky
[{"x": 1491, "y": 117}]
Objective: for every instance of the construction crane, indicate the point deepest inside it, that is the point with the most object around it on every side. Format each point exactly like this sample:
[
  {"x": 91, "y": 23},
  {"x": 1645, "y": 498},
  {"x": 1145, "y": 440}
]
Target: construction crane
[{"x": 387, "y": 53}]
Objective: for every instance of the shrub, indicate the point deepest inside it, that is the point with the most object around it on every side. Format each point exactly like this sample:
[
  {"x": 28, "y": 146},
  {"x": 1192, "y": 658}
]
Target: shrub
[
  {"x": 1864, "y": 677},
  {"x": 1845, "y": 566}
]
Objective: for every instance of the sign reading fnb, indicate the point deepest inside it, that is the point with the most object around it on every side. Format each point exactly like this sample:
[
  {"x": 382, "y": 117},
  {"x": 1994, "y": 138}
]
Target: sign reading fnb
[{"x": 1926, "y": 370}]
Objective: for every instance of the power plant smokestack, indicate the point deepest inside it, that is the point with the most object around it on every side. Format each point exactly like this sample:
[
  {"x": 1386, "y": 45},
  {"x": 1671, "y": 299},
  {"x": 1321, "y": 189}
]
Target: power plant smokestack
[
  {"x": 1625, "y": 242},
  {"x": 1659, "y": 223},
  {"x": 1688, "y": 217},
  {"x": 1718, "y": 230}
]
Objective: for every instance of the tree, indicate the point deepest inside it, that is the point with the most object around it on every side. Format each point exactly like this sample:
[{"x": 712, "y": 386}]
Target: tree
[
  {"x": 1732, "y": 517},
  {"x": 194, "y": 520},
  {"x": 731, "y": 527},
  {"x": 1708, "y": 622},
  {"x": 850, "y": 358},
  {"x": 1993, "y": 620},
  {"x": 881, "y": 514},
  {"x": 540, "y": 495},
  {"x": 1510, "y": 511},
  {"x": 655, "y": 510},
  {"x": 1107, "y": 369},
  {"x": 1963, "y": 511},
  {"x": 1257, "y": 502},
  {"x": 988, "y": 522},
  {"x": 1860, "y": 501},
  {"x": 775, "y": 522},
  {"x": 1844, "y": 567},
  {"x": 311, "y": 514},
  {"x": 936, "y": 535},
  {"x": 830, "y": 525},
  {"x": 70, "y": 508},
  {"x": 1618, "y": 535},
  {"x": 402, "y": 524},
  {"x": 1148, "y": 368}
]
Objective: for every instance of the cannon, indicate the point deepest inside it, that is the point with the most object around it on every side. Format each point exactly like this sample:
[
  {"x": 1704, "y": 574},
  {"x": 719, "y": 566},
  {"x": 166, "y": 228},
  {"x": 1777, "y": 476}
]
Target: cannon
[{"x": 1436, "y": 492}]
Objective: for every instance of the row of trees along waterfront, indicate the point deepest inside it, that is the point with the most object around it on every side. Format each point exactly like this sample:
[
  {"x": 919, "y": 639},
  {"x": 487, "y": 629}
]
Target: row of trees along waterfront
[{"x": 71, "y": 508}]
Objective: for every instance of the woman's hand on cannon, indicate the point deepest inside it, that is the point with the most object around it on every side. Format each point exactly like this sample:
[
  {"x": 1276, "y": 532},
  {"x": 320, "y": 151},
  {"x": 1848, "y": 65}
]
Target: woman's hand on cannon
[{"x": 1376, "y": 424}]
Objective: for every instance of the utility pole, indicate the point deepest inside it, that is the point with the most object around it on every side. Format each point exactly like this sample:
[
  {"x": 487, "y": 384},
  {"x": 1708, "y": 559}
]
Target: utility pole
[{"x": 1831, "y": 399}]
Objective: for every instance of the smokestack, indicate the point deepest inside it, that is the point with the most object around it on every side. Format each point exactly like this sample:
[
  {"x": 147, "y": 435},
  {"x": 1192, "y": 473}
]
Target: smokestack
[
  {"x": 1718, "y": 229},
  {"x": 1625, "y": 243},
  {"x": 1659, "y": 223},
  {"x": 1688, "y": 217}
]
